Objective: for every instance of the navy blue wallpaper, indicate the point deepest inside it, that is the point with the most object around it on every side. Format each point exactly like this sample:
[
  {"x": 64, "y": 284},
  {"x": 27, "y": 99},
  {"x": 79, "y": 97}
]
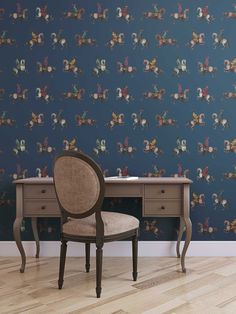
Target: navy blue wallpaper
[{"x": 144, "y": 88}]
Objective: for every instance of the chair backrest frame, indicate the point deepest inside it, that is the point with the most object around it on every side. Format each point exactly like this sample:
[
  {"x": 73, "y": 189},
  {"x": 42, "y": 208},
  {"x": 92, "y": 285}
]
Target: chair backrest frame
[{"x": 97, "y": 206}]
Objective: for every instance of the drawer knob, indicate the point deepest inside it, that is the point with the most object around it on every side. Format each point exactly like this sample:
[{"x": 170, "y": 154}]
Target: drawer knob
[
  {"x": 43, "y": 207},
  {"x": 162, "y": 207},
  {"x": 162, "y": 191},
  {"x": 43, "y": 191}
]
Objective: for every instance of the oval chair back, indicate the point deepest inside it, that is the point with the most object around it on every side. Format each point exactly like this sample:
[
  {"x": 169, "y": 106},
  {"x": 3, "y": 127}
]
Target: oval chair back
[{"x": 79, "y": 185}]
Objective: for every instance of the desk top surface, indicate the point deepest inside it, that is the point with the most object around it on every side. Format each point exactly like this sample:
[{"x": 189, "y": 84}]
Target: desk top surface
[{"x": 128, "y": 180}]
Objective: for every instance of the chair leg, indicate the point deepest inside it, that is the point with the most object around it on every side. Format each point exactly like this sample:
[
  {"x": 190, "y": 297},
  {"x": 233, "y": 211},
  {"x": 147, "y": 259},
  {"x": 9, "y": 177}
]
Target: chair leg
[
  {"x": 99, "y": 253},
  {"x": 87, "y": 257},
  {"x": 62, "y": 263},
  {"x": 135, "y": 256}
]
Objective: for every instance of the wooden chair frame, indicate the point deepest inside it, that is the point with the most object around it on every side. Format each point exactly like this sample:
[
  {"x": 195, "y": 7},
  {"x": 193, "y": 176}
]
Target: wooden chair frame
[{"x": 99, "y": 239}]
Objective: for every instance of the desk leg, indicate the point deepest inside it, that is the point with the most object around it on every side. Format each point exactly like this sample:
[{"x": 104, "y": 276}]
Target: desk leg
[
  {"x": 36, "y": 235},
  {"x": 17, "y": 237},
  {"x": 180, "y": 235},
  {"x": 188, "y": 226}
]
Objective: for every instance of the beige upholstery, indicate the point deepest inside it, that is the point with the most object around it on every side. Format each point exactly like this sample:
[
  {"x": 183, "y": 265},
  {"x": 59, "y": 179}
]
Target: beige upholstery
[
  {"x": 76, "y": 183},
  {"x": 114, "y": 223}
]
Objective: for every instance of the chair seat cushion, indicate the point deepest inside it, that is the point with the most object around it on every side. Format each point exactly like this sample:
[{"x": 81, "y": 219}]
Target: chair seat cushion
[{"x": 114, "y": 223}]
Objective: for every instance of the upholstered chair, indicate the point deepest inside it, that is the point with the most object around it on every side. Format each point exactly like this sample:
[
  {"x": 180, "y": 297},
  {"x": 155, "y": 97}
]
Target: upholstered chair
[{"x": 80, "y": 187}]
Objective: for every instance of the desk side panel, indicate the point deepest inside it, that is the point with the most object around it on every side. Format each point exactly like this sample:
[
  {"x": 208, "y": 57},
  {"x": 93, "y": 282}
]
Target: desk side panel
[{"x": 19, "y": 200}]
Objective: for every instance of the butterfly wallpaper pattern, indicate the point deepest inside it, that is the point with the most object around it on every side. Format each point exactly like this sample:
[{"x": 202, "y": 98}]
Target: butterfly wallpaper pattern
[{"x": 146, "y": 89}]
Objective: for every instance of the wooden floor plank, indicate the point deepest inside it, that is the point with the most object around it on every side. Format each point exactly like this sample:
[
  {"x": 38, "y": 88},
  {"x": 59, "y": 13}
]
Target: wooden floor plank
[{"x": 209, "y": 286}]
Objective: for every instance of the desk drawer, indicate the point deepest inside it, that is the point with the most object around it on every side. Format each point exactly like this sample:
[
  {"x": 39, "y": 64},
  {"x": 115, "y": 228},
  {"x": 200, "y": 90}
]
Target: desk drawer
[
  {"x": 161, "y": 207},
  {"x": 39, "y": 191},
  {"x": 41, "y": 208},
  {"x": 123, "y": 190},
  {"x": 162, "y": 191}
]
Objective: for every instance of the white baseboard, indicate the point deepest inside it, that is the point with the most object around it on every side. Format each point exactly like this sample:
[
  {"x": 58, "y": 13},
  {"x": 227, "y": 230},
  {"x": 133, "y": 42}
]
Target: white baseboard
[{"x": 146, "y": 248}]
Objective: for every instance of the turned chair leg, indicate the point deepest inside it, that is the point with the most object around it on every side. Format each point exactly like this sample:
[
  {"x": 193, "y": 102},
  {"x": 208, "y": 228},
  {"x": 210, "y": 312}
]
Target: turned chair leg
[
  {"x": 135, "y": 256},
  {"x": 87, "y": 257},
  {"x": 99, "y": 253},
  {"x": 62, "y": 263}
]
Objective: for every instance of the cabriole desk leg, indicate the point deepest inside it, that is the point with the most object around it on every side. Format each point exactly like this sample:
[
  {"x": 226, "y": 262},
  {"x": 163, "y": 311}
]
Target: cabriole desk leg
[
  {"x": 17, "y": 237},
  {"x": 36, "y": 235},
  {"x": 180, "y": 235},
  {"x": 188, "y": 226}
]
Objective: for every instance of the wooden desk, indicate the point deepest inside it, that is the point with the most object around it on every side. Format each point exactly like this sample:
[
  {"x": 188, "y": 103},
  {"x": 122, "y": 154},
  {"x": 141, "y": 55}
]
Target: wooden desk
[{"x": 161, "y": 197}]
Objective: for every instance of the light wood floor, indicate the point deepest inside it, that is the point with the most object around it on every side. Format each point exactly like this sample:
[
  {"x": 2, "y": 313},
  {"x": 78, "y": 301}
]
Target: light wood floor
[{"x": 209, "y": 286}]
